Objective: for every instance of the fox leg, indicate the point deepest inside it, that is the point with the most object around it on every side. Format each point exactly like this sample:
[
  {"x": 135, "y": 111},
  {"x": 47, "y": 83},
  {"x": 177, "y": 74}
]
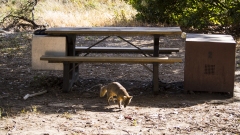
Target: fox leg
[
  {"x": 119, "y": 103},
  {"x": 112, "y": 99},
  {"x": 109, "y": 98}
]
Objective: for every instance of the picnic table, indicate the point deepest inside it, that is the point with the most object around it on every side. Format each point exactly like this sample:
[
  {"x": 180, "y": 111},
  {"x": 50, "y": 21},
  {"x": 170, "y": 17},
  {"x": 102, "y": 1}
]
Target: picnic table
[{"x": 70, "y": 62}]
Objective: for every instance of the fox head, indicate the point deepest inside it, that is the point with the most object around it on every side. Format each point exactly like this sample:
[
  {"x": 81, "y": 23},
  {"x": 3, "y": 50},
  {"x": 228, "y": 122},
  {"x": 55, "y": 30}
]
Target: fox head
[{"x": 127, "y": 100}]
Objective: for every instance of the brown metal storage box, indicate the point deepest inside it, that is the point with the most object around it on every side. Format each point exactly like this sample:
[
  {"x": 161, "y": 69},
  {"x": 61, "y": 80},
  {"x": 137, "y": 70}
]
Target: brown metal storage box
[{"x": 209, "y": 63}]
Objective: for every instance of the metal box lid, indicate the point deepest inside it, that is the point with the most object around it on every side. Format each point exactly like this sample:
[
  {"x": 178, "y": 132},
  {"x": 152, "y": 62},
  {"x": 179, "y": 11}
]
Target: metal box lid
[{"x": 210, "y": 38}]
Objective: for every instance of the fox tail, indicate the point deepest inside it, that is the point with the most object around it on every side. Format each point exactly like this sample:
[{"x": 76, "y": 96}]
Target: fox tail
[{"x": 103, "y": 92}]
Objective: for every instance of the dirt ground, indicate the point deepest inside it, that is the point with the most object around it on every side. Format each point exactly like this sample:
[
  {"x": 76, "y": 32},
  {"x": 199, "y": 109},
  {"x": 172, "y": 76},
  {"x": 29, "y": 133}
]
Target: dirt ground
[{"x": 82, "y": 111}]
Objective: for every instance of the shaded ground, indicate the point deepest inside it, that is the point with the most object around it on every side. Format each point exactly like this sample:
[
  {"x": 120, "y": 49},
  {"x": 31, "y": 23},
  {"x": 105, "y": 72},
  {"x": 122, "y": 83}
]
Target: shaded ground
[{"x": 82, "y": 111}]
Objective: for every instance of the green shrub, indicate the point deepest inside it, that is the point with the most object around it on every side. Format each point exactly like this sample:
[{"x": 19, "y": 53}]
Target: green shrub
[
  {"x": 154, "y": 11},
  {"x": 198, "y": 14}
]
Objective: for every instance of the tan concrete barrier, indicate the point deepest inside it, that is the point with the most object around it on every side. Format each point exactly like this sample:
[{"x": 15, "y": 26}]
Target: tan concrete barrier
[{"x": 49, "y": 46}]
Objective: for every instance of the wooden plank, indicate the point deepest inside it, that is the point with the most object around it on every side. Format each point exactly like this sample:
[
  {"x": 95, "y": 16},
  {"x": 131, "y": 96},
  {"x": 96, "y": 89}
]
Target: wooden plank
[
  {"x": 114, "y": 31},
  {"x": 73, "y": 59},
  {"x": 123, "y": 50}
]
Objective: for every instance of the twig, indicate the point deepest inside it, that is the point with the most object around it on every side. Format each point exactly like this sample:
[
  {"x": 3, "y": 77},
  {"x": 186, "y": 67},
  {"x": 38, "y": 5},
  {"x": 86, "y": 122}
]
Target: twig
[
  {"x": 126, "y": 131},
  {"x": 94, "y": 86},
  {"x": 35, "y": 94}
]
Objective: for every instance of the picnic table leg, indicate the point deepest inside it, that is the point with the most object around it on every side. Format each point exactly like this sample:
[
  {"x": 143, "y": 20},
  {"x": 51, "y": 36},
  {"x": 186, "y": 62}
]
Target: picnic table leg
[
  {"x": 156, "y": 65},
  {"x": 66, "y": 77},
  {"x": 70, "y": 70}
]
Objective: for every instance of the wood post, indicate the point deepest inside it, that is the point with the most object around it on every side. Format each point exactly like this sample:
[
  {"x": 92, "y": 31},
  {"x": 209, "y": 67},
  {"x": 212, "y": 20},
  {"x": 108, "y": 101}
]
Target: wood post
[{"x": 155, "y": 65}]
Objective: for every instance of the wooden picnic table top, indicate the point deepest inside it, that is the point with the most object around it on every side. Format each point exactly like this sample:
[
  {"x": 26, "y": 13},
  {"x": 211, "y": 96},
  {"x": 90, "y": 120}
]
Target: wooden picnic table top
[{"x": 118, "y": 31}]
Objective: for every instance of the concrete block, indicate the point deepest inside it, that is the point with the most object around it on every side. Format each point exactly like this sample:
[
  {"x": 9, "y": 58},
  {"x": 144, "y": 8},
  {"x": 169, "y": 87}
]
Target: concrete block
[{"x": 49, "y": 46}]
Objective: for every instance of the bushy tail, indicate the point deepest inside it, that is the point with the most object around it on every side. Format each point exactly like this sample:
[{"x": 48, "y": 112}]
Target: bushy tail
[{"x": 103, "y": 91}]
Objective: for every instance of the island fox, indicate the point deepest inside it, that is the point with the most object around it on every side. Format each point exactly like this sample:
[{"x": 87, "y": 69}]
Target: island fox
[{"x": 115, "y": 89}]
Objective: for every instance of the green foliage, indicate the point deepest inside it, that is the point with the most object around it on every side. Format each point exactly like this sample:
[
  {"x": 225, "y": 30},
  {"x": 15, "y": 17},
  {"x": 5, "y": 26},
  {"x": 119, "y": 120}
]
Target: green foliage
[
  {"x": 153, "y": 11},
  {"x": 188, "y": 13},
  {"x": 234, "y": 14}
]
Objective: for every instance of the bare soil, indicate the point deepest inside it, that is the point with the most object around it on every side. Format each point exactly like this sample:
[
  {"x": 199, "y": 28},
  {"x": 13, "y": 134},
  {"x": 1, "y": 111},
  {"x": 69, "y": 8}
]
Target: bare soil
[{"x": 82, "y": 111}]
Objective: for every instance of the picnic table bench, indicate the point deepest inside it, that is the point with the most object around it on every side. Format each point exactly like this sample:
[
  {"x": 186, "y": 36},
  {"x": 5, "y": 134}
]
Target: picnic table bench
[
  {"x": 149, "y": 51},
  {"x": 145, "y": 60},
  {"x": 72, "y": 58}
]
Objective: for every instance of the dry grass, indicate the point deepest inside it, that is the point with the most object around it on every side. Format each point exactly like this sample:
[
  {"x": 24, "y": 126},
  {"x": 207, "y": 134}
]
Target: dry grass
[{"x": 84, "y": 13}]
